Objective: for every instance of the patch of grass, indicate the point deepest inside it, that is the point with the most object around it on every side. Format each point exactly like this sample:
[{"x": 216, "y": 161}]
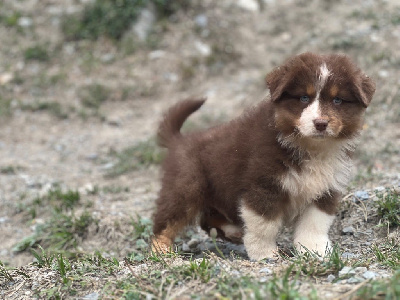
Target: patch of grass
[
  {"x": 138, "y": 156},
  {"x": 311, "y": 264},
  {"x": 109, "y": 18},
  {"x": 93, "y": 95},
  {"x": 112, "y": 18},
  {"x": 61, "y": 232},
  {"x": 388, "y": 253},
  {"x": 341, "y": 43},
  {"x": 4, "y": 273},
  {"x": 143, "y": 228},
  {"x": 5, "y": 107},
  {"x": 11, "y": 19},
  {"x": 58, "y": 199},
  {"x": 380, "y": 289},
  {"x": 199, "y": 270},
  {"x": 10, "y": 170},
  {"x": 54, "y": 108},
  {"x": 388, "y": 205},
  {"x": 222, "y": 53},
  {"x": 114, "y": 189},
  {"x": 38, "y": 53}
]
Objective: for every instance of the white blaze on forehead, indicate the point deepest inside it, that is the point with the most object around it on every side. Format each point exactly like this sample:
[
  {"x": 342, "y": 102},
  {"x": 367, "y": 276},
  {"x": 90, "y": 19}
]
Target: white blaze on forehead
[
  {"x": 306, "y": 122},
  {"x": 324, "y": 73}
]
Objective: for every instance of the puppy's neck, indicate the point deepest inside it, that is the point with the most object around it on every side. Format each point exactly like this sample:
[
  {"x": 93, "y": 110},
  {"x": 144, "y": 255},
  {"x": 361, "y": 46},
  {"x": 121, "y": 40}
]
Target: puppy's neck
[{"x": 317, "y": 148}]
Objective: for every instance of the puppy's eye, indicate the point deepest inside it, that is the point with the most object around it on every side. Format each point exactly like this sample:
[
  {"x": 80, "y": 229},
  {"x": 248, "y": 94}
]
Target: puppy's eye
[
  {"x": 337, "y": 101},
  {"x": 305, "y": 99}
]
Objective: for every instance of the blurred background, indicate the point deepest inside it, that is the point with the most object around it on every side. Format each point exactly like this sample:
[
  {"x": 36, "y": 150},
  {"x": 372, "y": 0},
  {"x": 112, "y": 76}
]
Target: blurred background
[{"x": 83, "y": 84}]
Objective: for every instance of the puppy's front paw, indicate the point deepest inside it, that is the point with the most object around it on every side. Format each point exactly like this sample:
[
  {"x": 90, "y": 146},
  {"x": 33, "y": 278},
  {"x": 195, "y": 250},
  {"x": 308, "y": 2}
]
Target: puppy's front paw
[
  {"x": 259, "y": 254},
  {"x": 319, "y": 244},
  {"x": 161, "y": 244},
  {"x": 258, "y": 249}
]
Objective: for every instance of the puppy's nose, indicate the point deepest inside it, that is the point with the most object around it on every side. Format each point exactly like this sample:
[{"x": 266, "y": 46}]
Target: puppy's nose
[{"x": 320, "y": 124}]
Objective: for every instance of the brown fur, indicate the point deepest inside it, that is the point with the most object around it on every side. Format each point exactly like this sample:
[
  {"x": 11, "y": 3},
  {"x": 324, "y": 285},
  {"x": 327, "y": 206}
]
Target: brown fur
[{"x": 212, "y": 173}]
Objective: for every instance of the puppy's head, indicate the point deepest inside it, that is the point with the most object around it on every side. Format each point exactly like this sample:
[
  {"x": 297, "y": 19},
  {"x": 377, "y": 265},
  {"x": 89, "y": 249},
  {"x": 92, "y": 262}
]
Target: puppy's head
[{"x": 319, "y": 96}]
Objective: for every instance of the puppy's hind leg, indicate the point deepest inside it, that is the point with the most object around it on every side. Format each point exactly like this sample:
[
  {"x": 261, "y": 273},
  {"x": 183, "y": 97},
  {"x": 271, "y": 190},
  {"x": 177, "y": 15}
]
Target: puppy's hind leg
[{"x": 174, "y": 212}]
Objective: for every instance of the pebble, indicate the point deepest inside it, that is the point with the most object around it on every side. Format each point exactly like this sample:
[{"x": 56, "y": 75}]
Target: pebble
[
  {"x": 266, "y": 271},
  {"x": 185, "y": 247},
  {"x": 347, "y": 271},
  {"x": 25, "y": 22},
  {"x": 107, "y": 58},
  {"x": 5, "y": 78},
  {"x": 193, "y": 243},
  {"x": 201, "y": 20},
  {"x": 383, "y": 73},
  {"x": 354, "y": 280},
  {"x": 361, "y": 195},
  {"x": 369, "y": 275},
  {"x": 348, "y": 230},
  {"x": 331, "y": 278},
  {"x": 144, "y": 24},
  {"x": 379, "y": 188},
  {"x": 156, "y": 54},
  {"x": 92, "y": 296},
  {"x": 361, "y": 269},
  {"x": 349, "y": 255},
  {"x": 202, "y": 48},
  {"x": 250, "y": 5}
]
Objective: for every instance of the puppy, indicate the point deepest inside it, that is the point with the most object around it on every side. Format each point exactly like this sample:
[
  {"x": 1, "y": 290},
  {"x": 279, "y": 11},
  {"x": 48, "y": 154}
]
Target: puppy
[{"x": 286, "y": 161}]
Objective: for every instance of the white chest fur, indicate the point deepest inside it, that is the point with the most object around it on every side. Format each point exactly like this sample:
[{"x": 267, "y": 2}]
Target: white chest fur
[{"x": 322, "y": 172}]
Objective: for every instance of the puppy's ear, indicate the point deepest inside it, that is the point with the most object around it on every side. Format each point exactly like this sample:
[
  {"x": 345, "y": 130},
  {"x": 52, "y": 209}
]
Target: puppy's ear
[
  {"x": 276, "y": 82},
  {"x": 365, "y": 90}
]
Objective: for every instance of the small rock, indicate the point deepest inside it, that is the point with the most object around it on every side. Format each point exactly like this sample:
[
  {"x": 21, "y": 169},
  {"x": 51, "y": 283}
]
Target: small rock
[
  {"x": 114, "y": 122},
  {"x": 92, "y": 156},
  {"x": 369, "y": 275},
  {"x": 349, "y": 255},
  {"x": 379, "y": 188},
  {"x": 203, "y": 48},
  {"x": 250, "y": 5},
  {"x": 193, "y": 243},
  {"x": 5, "y": 78},
  {"x": 347, "y": 271},
  {"x": 3, "y": 219},
  {"x": 185, "y": 247},
  {"x": 107, "y": 58},
  {"x": 348, "y": 230},
  {"x": 201, "y": 20},
  {"x": 87, "y": 189},
  {"x": 25, "y": 22},
  {"x": 354, "y": 280},
  {"x": 156, "y": 54},
  {"x": 92, "y": 296},
  {"x": 361, "y": 195},
  {"x": 266, "y": 271},
  {"x": 361, "y": 269},
  {"x": 383, "y": 73},
  {"x": 144, "y": 24},
  {"x": 331, "y": 278},
  {"x": 263, "y": 279}
]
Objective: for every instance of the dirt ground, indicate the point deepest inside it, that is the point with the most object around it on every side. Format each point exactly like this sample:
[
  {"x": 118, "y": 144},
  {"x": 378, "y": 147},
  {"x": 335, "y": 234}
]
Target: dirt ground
[{"x": 218, "y": 49}]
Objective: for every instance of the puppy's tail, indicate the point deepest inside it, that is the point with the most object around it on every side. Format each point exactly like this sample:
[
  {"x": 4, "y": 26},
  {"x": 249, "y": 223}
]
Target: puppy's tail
[{"x": 174, "y": 118}]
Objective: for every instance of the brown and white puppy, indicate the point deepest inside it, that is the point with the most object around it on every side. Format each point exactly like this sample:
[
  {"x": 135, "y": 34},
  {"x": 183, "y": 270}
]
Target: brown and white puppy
[{"x": 285, "y": 161}]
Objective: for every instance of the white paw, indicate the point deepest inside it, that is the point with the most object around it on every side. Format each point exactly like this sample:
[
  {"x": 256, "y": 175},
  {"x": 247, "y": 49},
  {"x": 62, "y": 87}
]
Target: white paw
[
  {"x": 258, "y": 249},
  {"x": 319, "y": 244}
]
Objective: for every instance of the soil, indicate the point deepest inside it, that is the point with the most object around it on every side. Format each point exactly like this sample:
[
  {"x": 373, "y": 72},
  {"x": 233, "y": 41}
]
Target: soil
[{"x": 218, "y": 49}]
